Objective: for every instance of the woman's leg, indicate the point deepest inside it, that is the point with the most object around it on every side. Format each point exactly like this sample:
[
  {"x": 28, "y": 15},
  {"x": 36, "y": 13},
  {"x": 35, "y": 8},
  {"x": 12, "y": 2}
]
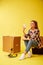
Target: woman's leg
[
  {"x": 30, "y": 44},
  {"x": 26, "y": 42},
  {"x": 23, "y": 55}
]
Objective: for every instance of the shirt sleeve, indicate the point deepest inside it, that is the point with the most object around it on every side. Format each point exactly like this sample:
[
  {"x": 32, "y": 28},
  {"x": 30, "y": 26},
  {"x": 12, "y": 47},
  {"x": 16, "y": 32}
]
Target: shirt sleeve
[{"x": 39, "y": 34}]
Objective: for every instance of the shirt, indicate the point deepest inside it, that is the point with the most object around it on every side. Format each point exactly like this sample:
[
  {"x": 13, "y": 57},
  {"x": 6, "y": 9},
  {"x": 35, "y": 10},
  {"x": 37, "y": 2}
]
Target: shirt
[{"x": 33, "y": 35}]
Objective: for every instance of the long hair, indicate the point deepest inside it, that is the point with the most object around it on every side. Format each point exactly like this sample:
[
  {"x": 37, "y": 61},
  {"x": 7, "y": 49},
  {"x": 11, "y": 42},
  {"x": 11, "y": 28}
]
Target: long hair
[{"x": 36, "y": 24}]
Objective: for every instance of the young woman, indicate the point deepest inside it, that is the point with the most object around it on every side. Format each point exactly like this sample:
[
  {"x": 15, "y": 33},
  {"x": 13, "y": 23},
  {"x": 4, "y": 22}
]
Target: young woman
[{"x": 32, "y": 38}]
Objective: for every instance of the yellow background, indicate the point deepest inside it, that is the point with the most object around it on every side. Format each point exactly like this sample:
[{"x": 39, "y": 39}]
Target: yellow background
[{"x": 13, "y": 14}]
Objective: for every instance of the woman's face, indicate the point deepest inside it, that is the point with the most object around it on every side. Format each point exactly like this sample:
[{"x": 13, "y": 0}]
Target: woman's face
[{"x": 32, "y": 24}]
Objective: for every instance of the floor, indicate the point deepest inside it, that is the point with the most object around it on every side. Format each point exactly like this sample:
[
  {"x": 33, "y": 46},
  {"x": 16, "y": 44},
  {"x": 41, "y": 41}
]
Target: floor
[{"x": 34, "y": 60}]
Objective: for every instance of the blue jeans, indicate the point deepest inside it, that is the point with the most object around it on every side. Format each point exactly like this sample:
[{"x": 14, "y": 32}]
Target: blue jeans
[{"x": 30, "y": 43}]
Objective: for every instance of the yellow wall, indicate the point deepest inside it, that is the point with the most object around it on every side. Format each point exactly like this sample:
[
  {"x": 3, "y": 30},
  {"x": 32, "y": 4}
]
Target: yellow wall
[{"x": 14, "y": 13}]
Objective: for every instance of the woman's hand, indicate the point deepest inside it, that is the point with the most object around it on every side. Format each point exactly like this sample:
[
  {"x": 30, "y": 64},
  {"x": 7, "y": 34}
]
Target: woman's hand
[{"x": 24, "y": 27}]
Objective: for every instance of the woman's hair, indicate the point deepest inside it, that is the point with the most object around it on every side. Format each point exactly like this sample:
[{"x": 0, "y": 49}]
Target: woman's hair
[{"x": 36, "y": 24}]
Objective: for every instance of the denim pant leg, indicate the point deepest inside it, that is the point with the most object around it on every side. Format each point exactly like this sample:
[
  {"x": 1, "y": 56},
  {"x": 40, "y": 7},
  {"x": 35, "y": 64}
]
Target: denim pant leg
[
  {"x": 26, "y": 42},
  {"x": 30, "y": 44},
  {"x": 35, "y": 43}
]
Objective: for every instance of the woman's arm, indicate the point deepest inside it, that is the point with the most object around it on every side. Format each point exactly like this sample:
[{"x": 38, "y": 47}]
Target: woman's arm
[
  {"x": 24, "y": 31},
  {"x": 39, "y": 36},
  {"x": 39, "y": 45},
  {"x": 24, "y": 28},
  {"x": 24, "y": 38}
]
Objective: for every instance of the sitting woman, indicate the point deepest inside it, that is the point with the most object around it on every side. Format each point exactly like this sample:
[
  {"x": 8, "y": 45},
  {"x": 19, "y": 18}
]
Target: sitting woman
[{"x": 32, "y": 38}]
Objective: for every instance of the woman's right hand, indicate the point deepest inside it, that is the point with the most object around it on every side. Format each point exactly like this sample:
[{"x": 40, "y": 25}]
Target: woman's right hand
[{"x": 24, "y": 27}]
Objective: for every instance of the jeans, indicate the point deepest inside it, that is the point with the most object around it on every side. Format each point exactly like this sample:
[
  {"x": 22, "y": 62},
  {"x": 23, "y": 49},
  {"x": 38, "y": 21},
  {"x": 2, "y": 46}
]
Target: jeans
[{"x": 30, "y": 43}]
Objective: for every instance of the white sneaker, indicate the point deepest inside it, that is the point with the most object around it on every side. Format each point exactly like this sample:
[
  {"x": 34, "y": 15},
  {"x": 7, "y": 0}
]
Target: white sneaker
[
  {"x": 29, "y": 54},
  {"x": 22, "y": 57}
]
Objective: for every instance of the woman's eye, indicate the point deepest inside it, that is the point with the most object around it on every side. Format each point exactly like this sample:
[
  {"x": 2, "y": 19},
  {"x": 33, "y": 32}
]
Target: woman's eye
[
  {"x": 34, "y": 31},
  {"x": 30, "y": 32}
]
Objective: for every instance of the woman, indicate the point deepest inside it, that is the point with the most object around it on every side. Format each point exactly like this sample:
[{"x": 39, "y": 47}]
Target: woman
[{"x": 32, "y": 38}]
